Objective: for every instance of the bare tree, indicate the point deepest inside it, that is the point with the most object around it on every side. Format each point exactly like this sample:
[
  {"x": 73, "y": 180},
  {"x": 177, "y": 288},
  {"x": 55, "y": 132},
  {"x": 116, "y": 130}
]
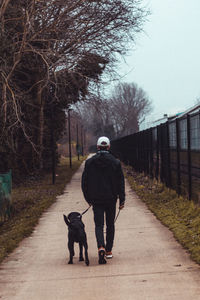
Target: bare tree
[
  {"x": 95, "y": 115},
  {"x": 119, "y": 115},
  {"x": 39, "y": 38},
  {"x": 130, "y": 104}
]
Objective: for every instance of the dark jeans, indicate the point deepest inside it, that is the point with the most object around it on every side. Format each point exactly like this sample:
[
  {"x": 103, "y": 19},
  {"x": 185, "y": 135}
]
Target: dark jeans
[{"x": 109, "y": 210}]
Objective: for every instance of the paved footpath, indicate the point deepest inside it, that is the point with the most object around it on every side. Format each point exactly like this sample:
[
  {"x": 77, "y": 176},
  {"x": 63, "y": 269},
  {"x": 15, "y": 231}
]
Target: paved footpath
[{"x": 148, "y": 263}]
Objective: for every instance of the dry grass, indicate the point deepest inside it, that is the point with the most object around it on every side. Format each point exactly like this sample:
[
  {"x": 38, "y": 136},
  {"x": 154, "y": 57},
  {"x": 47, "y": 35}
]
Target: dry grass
[
  {"x": 179, "y": 214},
  {"x": 29, "y": 202}
]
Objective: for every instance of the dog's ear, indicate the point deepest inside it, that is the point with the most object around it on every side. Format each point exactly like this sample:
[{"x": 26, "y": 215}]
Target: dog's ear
[{"x": 66, "y": 220}]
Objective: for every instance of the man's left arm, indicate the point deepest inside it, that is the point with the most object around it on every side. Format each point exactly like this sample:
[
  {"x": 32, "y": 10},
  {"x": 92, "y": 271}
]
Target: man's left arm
[{"x": 84, "y": 184}]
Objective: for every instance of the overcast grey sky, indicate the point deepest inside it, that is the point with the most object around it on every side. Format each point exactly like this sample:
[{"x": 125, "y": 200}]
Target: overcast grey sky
[{"x": 166, "y": 59}]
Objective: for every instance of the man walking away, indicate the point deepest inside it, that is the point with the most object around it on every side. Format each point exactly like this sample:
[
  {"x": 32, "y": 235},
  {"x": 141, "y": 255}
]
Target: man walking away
[{"x": 102, "y": 185}]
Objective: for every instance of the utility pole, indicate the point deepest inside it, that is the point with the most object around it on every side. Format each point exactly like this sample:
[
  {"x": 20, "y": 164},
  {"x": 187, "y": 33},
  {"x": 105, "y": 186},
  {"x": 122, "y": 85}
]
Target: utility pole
[
  {"x": 69, "y": 135},
  {"x": 82, "y": 149},
  {"x": 77, "y": 142},
  {"x": 53, "y": 153}
]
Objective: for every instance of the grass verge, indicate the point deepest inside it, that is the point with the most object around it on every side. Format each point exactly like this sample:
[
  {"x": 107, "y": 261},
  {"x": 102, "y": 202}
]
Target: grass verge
[
  {"x": 30, "y": 200},
  {"x": 179, "y": 214}
]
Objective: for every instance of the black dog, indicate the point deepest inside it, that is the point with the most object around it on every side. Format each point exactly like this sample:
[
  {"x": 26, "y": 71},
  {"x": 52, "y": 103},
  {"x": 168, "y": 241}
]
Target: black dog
[{"x": 76, "y": 233}]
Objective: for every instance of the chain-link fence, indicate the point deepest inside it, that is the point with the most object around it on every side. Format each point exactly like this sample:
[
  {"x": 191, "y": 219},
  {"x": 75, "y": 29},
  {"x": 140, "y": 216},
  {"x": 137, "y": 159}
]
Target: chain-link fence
[{"x": 169, "y": 152}]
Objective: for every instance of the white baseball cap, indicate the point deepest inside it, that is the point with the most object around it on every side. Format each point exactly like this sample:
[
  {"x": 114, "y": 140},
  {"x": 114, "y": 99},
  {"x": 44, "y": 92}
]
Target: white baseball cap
[{"x": 103, "y": 141}]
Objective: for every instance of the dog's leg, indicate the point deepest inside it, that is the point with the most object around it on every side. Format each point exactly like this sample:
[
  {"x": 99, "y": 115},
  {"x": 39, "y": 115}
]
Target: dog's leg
[
  {"x": 81, "y": 252},
  {"x": 86, "y": 253},
  {"x": 71, "y": 251}
]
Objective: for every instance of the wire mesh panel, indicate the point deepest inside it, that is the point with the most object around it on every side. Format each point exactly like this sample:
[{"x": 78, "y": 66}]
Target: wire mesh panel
[
  {"x": 195, "y": 155},
  {"x": 172, "y": 135},
  {"x": 195, "y": 132},
  {"x": 183, "y": 134},
  {"x": 183, "y": 168},
  {"x": 173, "y": 155}
]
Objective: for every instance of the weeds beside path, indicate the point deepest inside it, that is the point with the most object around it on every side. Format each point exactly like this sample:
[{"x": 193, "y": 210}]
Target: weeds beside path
[
  {"x": 179, "y": 214},
  {"x": 30, "y": 200}
]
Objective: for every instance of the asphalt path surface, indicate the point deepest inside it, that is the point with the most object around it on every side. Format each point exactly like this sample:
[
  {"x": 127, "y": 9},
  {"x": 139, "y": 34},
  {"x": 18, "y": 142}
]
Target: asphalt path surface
[{"x": 148, "y": 263}]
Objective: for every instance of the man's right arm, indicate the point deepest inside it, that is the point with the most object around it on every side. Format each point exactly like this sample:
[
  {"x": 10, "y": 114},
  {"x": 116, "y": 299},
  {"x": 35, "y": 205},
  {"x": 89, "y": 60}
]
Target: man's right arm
[{"x": 121, "y": 187}]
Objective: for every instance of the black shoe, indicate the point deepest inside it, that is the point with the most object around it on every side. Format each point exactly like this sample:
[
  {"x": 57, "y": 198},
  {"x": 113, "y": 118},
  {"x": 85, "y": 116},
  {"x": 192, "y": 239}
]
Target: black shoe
[{"x": 102, "y": 252}]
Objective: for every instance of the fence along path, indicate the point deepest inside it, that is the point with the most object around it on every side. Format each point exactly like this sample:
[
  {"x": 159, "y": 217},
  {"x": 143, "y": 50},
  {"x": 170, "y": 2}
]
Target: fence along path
[
  {"x": 169, "y": 152},
  {"x": 148, "y": 263}
]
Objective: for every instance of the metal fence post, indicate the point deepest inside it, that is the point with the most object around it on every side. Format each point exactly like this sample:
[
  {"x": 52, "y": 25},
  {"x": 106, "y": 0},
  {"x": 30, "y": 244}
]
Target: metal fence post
[
  {"x": 137, "y": 152},
  {"x": 162, "y": 160},
  {"x": 151, "y": 152},
  {"x": 157, "y": 153},
  {"x": 168, "y": 156},
  {"x": 178, "y": 157},
  {"x": 189, "y": 158},
  {"x": 147, "y": 151}
]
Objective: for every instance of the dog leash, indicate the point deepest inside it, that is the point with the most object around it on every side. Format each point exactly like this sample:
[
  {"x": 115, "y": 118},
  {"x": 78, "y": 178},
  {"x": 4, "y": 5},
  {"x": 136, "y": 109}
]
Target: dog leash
[
  {"x": 117, "y": 215},
  {"x": 86, "y": 210},
  {"x": 89, "y": 208}
]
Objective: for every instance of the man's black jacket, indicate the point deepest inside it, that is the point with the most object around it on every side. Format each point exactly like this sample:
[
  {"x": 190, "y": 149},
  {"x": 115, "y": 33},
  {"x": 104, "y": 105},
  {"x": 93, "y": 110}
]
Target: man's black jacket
[{"x": 103, "y": 179}]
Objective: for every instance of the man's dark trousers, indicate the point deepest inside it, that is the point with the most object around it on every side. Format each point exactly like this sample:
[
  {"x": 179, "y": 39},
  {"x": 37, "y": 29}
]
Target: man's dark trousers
[{"x": 109, "y": 210}]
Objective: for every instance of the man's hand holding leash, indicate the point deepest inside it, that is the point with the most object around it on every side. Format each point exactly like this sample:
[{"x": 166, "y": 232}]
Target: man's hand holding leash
[{"x": 121, "y": 206}]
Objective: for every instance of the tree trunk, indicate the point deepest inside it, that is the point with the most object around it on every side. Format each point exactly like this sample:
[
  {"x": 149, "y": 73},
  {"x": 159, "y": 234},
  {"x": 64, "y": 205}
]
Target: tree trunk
[
  {"x": 40, "y": 126},
  {"x": 4, "y": 103}
]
